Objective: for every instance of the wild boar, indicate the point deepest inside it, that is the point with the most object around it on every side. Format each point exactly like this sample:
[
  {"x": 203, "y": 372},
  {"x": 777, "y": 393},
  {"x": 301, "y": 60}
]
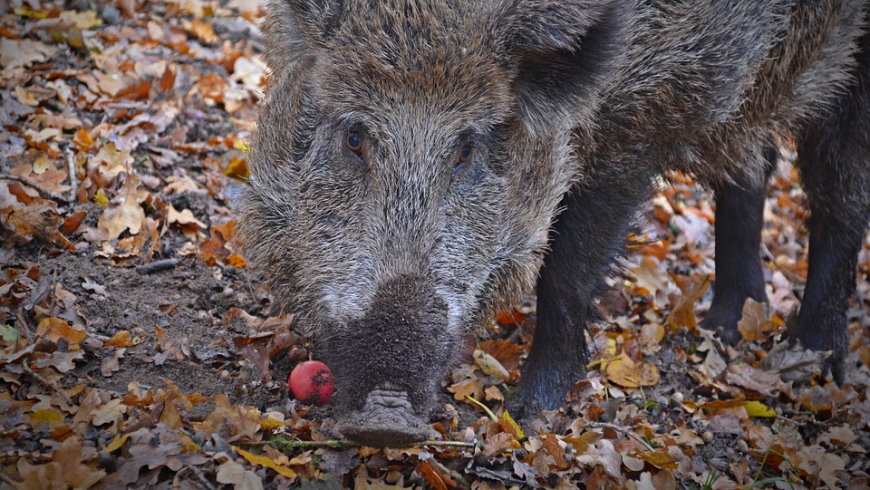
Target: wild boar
[{"x": 419, "y": 164}]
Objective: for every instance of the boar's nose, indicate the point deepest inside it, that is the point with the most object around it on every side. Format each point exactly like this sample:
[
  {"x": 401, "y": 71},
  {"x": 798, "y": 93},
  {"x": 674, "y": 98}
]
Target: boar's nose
[
  {"x": 388, "y": 363},
  {"x": 386, "y": 419}
]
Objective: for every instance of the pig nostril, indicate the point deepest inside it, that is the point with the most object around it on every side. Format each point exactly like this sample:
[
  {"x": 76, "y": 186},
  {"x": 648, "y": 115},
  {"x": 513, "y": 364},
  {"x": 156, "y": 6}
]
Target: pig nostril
[{"x": 388, "y": 399}]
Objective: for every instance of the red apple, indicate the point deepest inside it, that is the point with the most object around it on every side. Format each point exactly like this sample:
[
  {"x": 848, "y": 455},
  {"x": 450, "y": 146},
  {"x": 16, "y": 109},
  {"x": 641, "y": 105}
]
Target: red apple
[{"x": 311, "y": 382}]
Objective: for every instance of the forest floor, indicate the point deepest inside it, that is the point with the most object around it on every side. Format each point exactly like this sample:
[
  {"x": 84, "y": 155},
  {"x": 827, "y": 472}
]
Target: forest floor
[{"x": 138, "y": 350}]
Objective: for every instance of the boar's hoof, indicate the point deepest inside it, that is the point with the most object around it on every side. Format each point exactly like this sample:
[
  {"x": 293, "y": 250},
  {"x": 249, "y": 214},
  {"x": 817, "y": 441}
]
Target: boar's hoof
[{"x": 387, "y": 419}]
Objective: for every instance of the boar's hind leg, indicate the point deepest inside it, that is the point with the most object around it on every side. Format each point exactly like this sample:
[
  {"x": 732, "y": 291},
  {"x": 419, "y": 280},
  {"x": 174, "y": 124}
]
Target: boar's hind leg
[
  {"x": 739, "y": 218},
  {"x": 834, "y": 159},
  {"x": 585, "y": 238}
]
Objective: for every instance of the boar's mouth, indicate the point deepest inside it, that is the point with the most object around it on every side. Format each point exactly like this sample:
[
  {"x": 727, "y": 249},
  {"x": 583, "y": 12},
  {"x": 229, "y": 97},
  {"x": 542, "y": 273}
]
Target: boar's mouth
[{"x": 387, "y": 419}]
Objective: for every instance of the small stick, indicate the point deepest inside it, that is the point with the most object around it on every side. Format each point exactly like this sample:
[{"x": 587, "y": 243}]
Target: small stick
[
  {"x": 8, "y": 480},
  {"x": 200, "y": 476},
  {"x": 453, "y": 474},
  {"x": 71, "y": 169},
  {"x": 157, "y": 266},
  {"x": 625, "y": 432},
  {"x": 47, "y": 383},
  {"x": 484, "y": 407},
  {"x": 33, "y": 185},
  {"x": 281, "y": 443}
]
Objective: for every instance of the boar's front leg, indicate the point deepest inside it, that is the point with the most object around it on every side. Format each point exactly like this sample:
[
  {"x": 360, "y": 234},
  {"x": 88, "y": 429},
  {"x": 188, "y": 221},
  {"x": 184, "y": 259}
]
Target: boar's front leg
[
  {"x": 585, "y": 239},
  {"x": 739, "y": 273}
]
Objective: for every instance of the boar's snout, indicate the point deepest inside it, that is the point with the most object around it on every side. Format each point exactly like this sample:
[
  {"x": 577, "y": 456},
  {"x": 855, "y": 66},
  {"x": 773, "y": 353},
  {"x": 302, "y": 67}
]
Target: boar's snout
[
  {"x": 387, "y": 419},
  {"x": 389, "y": 363}
]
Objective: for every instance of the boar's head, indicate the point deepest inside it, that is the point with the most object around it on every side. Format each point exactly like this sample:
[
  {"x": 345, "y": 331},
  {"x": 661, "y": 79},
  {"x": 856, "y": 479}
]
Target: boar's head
[{"x": 409, "y": 161}]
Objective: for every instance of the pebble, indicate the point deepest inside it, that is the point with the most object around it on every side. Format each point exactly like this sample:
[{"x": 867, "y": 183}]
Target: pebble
[
  {"x": 111, "y": 15},
  {"x": 718, "y": 463},
  {"x": 707, "y": 436}
]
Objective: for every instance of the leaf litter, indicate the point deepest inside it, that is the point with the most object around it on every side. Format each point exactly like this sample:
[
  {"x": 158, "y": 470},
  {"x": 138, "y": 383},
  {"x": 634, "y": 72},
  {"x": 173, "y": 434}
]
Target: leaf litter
[{"x": 137, "y": 350}]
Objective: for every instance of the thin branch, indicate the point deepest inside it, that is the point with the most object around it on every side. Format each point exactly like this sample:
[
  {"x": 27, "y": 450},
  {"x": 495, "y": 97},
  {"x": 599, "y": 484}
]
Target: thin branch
[
  {"x": 623, "y": 431},
  {"x": 157, "y": 266},
  {"x": 33, "y": 185},
  {"x": 202, "y": 479},
  {"x": 281, "y": 443},
  {"x": 71, "y": 169},
  {"x": 48, "y": 383}
]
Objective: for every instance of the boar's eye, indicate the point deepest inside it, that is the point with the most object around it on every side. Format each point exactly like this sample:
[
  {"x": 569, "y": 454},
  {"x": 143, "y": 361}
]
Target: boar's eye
[
  {"x": 463, "y": 156},
  {"x": 354, "y": 142}
]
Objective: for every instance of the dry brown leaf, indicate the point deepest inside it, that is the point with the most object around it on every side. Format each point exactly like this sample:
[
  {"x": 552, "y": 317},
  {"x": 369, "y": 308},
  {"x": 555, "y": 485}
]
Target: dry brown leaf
[
  {"x": 82, "y": 20},
  {"x": 753, "y": 323},
  {"x": 602, "y": 454},
  {"x": 127, "y": 216},
  {"x": 651, "y": 276},
  {"x": 625, "y": 372},
  {"x": 683, "y": 312},
  {"x": 16, "y": 54},
  {"x": 121, "y": 339},
  {"x": 507, "y": 353},
  {"x": 793, "y": 363},
  {"x": 112, "y": 363},
  {"x": 470, "y": 387},
  {"x": 55, "y": 329},
  {"x": 236, "y": 422},
  {"x": 235, "y": 474},
  {"x": 746, "y": 376},
  {"x": 497, "y": 444},
  {"x": 265, "y": 462},
  {"x": 490, "y": 365},
  {"x": 64, "y": 470}
]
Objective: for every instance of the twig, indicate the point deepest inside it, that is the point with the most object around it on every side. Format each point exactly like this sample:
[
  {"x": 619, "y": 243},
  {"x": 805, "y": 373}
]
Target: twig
[
  {"x": 9, "y": 481},
  {"x": 281, "y": 443},
  {"x": 157, "y": 266},
  {"x": 20, "y": 353},
  {"x": 484, "y": 407},
  {"x": 202, "y": 478},
  {"x": 71, "y": 169},
  {"x": 453, "y": 474},
  {"x": 46, "y": 382},
  {"x": 625, "y": 432},
  {"x": 774, "y": 264},
  {"x": 33, "y": 185}
]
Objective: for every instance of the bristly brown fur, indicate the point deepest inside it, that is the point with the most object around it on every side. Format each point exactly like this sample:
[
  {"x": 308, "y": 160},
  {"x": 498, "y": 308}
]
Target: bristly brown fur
[{"x": 570, "y": 107}]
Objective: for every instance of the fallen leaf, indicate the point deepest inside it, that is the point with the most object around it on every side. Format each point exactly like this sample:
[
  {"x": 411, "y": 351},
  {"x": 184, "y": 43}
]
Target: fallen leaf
[
  {"x": 490, "y": 365},
  {"x": 629, "y": 374},
  {"x": 238, "y": 169},
  {"x": 120, "y": 339},
  {"x": 45, "y": 416},
  {"x": 753, "y": 323},
  {"x": 758, "y": 409},
  {"x": 55, "y": 329},
  {"x": 746, "y": 376},
  {"x": 112, "y": 363},
  {"x": 433, "y": 477},
  {"x": 470, "y": 387},
  {"x": 83, "y": 20},
  {"x": 793, "y": 363},
  {"x": 265, "y": 462},
  {"x": 233, "y": 473},
  {"x": 21, "y": 53},
  {"x": 64, "y": 470},
  {"x": 127, "y": 216}
]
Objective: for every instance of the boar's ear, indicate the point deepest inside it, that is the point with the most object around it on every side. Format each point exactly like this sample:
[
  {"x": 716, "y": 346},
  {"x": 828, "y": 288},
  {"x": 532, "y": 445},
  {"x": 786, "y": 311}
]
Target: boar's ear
[
  {"x": 563, "y": 49},
  {"x": 293, "y": 28}
]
